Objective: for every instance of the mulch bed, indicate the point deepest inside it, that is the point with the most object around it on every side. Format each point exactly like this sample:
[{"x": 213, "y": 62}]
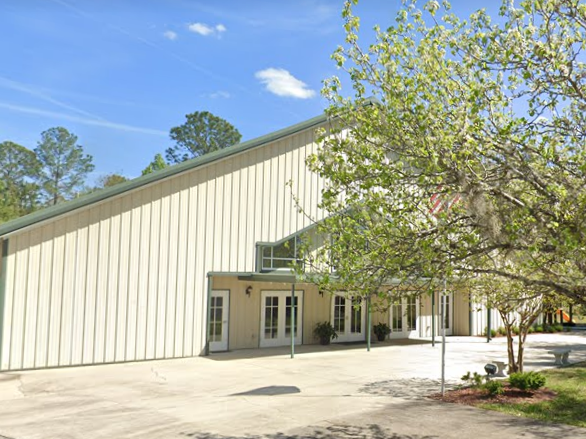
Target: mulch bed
[{"x": 474, "y": 396}]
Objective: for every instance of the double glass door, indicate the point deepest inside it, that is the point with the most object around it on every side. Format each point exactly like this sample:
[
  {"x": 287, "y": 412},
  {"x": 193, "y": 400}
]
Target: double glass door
[
  {"x": 276, "y": 326},
  {"x": 404, "y": 316},
  {"x": 348, "y": 319}
]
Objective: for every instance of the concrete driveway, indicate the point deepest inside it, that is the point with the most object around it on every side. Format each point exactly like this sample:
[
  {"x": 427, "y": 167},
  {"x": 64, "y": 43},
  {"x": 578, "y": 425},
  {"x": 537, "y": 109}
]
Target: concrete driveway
[{"x": 325, "y": 392}]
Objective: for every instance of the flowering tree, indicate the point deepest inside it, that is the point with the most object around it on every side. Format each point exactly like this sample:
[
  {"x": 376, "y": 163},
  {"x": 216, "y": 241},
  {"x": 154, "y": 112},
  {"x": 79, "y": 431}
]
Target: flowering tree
[{"x": 491, "y": 113}]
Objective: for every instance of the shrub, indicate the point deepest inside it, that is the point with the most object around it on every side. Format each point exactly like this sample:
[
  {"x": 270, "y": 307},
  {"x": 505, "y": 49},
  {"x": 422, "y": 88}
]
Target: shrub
[
  {"x": 494, "y": 388},
  {"x": 381, "y": 330},
  {"x": 325, "y": 332},
  {"x": 538, "y": 328},
  {"x": 558, "y": 328},
  {"x": 492, "y": 332},
  {"x": 530, "y": 330},
  {"x": 527, "y": 380},
  {"x": 473, "y": 380},
  {"x": 501, "y": 330},
  {"x": 515, "y": 330}
]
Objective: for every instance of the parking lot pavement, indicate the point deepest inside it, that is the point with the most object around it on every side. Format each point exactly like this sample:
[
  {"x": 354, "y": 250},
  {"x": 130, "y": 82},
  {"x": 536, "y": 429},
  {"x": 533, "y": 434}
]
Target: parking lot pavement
[{"x": 324, "y": 392}]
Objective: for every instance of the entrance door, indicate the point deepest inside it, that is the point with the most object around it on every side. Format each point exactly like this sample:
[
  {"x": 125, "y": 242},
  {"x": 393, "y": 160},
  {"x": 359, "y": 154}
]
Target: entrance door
[
  {"x": 218, "y": 325},
  {"x": 404, "y": 316},
  {"x": 275, "y": 318},
  {"x": 448, "y": 318},
  {"x": 348, "y": 316}
]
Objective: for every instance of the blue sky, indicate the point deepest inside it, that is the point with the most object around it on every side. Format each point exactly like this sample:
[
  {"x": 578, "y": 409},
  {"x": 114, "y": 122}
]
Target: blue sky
[{"x": 119, "y": 74}]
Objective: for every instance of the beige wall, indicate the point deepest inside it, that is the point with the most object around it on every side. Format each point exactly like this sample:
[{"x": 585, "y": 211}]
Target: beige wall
[
  {"x": 461, "y": 314},
  {"x": 244, "y": 320},
  {"x": 425, "y": 320},
  {"x": 245, "y": 311},
  {"x": 125, "y": 279}
]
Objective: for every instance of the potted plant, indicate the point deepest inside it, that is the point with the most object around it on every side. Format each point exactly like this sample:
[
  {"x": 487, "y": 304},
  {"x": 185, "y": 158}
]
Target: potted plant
[
  {"x": 381, "y": 330},
  {"x": 325, "y": 332}
]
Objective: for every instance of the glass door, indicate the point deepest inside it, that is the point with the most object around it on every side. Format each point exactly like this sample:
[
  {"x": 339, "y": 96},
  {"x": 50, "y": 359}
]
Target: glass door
[
  {"x": 218, "y": 324},
  {"x": 448, "y": 317},
  {"x": 276, "y": 318},
  {"x": 404, "y": 318},
  {"x": 348, "y": 319}
]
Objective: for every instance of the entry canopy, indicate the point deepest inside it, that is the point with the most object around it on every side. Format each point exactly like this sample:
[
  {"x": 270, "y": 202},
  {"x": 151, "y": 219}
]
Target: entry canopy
[{"x": 282, "y": 275}]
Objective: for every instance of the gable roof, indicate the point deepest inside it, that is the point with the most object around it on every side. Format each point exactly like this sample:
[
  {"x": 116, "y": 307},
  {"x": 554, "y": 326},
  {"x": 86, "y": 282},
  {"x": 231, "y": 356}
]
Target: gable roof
[{"x": 95, "y": 197}]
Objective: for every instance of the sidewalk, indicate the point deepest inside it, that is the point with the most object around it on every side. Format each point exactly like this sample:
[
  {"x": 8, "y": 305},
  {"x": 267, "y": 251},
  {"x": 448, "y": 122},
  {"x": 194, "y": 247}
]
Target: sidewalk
[{"x": 325, "y": 392}]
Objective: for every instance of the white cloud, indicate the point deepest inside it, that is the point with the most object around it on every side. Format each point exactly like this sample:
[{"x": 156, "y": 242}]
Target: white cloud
[
  {"x": 283, "y": 83},
  {"x": 32, "y": 91},
  {"x": 82, "y": 120},
  {"x": 220, "y": 94},
  {"x": 207, "y": 30},
  {"x": 170, "y": 35},
  {"x": 200, "y": 28}
]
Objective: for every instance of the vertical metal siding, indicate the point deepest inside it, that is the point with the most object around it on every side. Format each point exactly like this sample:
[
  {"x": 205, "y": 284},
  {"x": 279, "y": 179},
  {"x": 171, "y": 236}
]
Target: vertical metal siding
[
  {"x": 126, "y": 279},
  {"x": 3, "y": 282}
]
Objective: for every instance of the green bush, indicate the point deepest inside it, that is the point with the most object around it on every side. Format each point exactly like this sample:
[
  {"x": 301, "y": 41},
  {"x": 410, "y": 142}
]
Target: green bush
[
  {"x": 325, "y": 332},
  {"x": 558, "y": 328},
  {"x": 527, "y": 380},
  {"x": 494, "y": 388},
  {"x": 515, "y": 330},
  {"x": 473, "y": 380},
  {"x": 538, "y": 328},
  {"x": 492, "y": 332},
  {"x": 530, "y": 330},
  {"x": 501, "y": 330},
  {"x": 548, "y": 328}
]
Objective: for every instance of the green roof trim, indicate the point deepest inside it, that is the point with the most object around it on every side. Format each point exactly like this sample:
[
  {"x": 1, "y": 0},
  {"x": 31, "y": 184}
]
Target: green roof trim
[
  {"x": 283, "y": 276},
  {"x": 104, "y": 194}
]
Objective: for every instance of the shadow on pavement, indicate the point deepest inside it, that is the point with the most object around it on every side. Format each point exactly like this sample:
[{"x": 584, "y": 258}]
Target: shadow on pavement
[
  {"x": 409, "y": 388},
  {"x": 270, "y": 391},
  {"x": 372, "y": 431},
  {"x": 309, "y": 349}
]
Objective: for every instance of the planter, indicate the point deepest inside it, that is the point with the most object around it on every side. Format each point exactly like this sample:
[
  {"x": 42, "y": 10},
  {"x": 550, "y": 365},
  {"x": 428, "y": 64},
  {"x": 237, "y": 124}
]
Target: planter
[
  {"x": 324, "y": 331},
  {"x": 381, "y": 330}
]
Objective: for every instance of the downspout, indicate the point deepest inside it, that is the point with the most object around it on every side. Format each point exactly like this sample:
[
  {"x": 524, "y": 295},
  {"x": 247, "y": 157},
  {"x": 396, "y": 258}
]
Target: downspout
[
  {"x": 433, "y": 318},
  {"x": 209, "y": 315},
  {"x": 488, "y": 324},
  {"x": 470, "y": 315},
  {"x": 293, "y": 320},
  {"x": 3, "y": 268},
  {"x": 368, "y": 324},
  {"x": 258, "y": 259}
]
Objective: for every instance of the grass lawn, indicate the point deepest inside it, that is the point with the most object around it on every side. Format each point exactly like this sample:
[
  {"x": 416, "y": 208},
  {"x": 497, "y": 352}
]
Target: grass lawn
[{"x": 569, "y": 406}]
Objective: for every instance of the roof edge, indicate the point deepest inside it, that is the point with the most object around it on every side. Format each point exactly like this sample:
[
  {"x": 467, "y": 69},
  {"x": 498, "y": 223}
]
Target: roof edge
[
  {"x": 104, "y": 194},
  {"x": 86, "y": 200}
]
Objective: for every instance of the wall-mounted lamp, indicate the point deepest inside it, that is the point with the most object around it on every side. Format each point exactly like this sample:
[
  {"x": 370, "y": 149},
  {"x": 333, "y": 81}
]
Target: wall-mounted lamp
[
  {"x": 249, "y": 290},
  {"x": 321, "y": 293}
]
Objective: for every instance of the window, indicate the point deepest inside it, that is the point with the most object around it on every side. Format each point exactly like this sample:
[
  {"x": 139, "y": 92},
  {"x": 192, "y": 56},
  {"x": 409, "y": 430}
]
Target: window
[
  {"x": 411, "y": 314},
  {"x": 283, "y": 255}
]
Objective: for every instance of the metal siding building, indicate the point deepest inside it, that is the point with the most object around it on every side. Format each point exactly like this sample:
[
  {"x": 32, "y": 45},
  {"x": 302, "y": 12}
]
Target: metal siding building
[
  {"x": 120, "y": 275},
  {"x": 156, "y": 267}
]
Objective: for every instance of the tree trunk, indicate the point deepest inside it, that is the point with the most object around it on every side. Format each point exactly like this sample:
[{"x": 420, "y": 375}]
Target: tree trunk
[
  {"x": 521, "y": 348},
  {"x": 513, "y": 366}
]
